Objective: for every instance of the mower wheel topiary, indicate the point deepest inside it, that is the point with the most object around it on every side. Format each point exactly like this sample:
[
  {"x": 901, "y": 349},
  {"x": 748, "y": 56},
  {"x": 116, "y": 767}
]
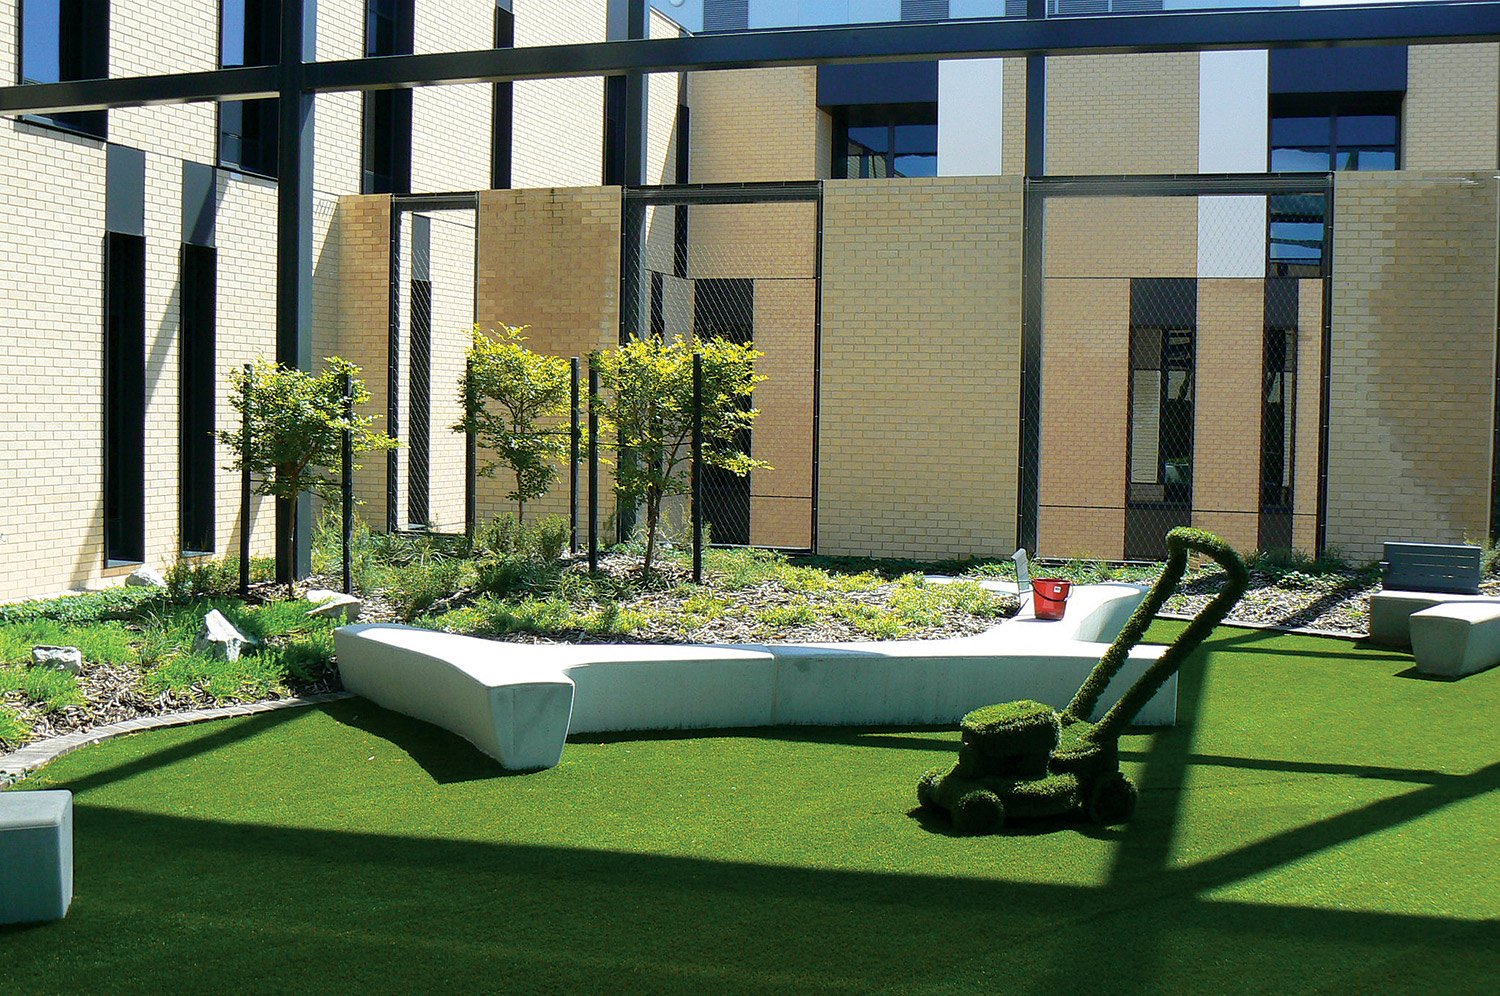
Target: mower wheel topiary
[{"x": 1112, "y": 801}]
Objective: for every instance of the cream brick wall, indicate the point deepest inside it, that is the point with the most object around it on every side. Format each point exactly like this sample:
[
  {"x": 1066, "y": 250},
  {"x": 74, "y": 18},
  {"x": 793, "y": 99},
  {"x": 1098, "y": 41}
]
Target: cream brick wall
[
  {"x": 1413, "y": 359},
  {"x": 51, "y": 408},
  {"x": 143, "y": 42},
  {"x": 1121, "y": 237},
  {"x": 451, "y": 125},
  {"x": 921, "y": 367},
  {"x": 1144, "y": 119},
  {"x": 1452, "y": 107},
  {"x": 755, "y": 124},
  {"x": 1227, "y": 407},
  {"x": 781, "y": 497},
  {"x": 1085, "y": 366},
  {"x": 1013, "y": 118},
  {"x": 1306, "y": 453},
  {"x": 558, "y": 135},
  {"x": 550, "y": 259},
  {"x": 452, "y": 322}
]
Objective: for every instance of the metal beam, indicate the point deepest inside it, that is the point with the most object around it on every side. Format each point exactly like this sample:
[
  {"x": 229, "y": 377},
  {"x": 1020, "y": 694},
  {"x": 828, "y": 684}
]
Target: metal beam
[
  {"x": 242, "y": 83},
  {"x": 1187, "y": 31},
  {"x": 1302, "y": 27}
]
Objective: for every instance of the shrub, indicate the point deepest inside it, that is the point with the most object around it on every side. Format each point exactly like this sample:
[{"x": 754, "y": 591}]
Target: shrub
[
  {"x": 82, "y": 609},
  {"x": 99, "y": 643},
  {"x": 13, "y": 729},
  {"x": 47, "y": 687},
  {"x": 203, "y": 578},
  {"x": 414, "y": 589}
]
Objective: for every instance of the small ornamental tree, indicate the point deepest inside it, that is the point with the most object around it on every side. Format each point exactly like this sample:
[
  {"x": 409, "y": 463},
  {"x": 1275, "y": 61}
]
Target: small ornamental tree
[
  {"x": 509, "y": 396},
  {"x": 297, "y": 424},
  {"x": 649, "y": 400}
]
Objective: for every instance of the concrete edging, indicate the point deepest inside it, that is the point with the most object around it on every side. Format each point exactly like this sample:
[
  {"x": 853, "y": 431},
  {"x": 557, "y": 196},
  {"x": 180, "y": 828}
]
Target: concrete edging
[{"x": 18, "y": 764}]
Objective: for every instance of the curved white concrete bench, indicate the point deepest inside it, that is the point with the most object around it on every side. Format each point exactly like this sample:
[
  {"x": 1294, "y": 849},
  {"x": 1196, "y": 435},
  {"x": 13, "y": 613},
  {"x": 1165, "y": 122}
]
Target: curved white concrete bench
[{"x": 518, "y": 702}]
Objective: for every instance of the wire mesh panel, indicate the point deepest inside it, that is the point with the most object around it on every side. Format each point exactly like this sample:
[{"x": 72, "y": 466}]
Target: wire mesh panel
[
  {"x": 1180, "y": 350},
  {"x": 434, "y": 315},
  {"x": 746, "y": 272}
]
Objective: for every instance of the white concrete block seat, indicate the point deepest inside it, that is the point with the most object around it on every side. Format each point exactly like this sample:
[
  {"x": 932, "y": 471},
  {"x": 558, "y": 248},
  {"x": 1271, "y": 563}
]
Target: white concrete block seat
[
  {"x": 518, "y": 702},
  {"x": 1456, "y": 638},
  {"x": 36, "y": 856},
  {"x": 1418, "y": 576}
]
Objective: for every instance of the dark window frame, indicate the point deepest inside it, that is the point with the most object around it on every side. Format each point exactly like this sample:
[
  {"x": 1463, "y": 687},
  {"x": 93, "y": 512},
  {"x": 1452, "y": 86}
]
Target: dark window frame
[
  {"x": 267, "y": 110},
  {"x": 124, "y": 394},
  {"x": 85, "y": 124},
  {"x": 889, "y": 116},
  {"x": 385, "y": 125},
  {"x": 197, "y": 398}
]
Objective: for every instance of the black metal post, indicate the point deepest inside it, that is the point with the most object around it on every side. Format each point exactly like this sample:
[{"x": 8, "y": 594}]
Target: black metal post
[
  {"x": 294, "y": 249},
  {"x": 593, "y": 463},
  {"x": 697, "y": 482},
  {"x": 471, "y": 458},
  {"x": 348, "y": 482},
  {"x": 573, "y": 443},
  {"x": 245, "y": 502}
]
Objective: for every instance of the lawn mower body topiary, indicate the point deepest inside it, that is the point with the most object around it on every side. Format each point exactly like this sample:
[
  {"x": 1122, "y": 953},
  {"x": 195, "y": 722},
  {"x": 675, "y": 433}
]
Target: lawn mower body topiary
[{"x": 1022, "y": 760}]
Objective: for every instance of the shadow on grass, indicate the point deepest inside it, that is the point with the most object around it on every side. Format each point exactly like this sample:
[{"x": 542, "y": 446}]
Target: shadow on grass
[
  {"x": 175, "y": 903},
  {"x": 447, "y": 757}
]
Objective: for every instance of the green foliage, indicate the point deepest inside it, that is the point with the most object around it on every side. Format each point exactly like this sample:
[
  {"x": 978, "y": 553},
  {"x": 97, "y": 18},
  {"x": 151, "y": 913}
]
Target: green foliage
[
  {"x": 507, "y": 535},
  {"x": 253, "y": 676},
  {"x": 100, "y": 643},
  {"x": 205, "y": 578},
  {"x": 82, "y": 609},
  {"x": 13, "y": 729},
  {"x": 553, "y": 617},
  {"x": 46, "y": 687},
  {"x": 512, "y": 397},
  {"x": 648, "y": 386},
  {"x": 414, "y": 588}
]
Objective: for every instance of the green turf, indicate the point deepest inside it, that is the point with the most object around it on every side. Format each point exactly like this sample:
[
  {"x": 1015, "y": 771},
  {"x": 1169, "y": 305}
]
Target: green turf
[{"x": 1320, "y": 820}]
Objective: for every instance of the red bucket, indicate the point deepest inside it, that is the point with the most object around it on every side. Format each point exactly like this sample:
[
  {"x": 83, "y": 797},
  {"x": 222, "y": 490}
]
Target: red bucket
[{"x": 1049, "y": 597}]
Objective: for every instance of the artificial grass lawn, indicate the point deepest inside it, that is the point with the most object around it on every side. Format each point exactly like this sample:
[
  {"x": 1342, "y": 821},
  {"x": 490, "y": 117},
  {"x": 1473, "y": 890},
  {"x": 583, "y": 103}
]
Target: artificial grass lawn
[{"x": 1319, "y": 820}]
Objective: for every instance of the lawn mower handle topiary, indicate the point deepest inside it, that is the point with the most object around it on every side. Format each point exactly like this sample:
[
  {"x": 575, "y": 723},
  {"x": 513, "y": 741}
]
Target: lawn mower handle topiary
[{"x": 1024, "y": 759}]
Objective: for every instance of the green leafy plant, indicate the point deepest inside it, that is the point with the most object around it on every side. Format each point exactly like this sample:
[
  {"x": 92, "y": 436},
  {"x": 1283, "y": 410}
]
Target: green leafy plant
[
  {"x": 296, "y": 420},
  {"x": 511, "y": 396},
  {"x": 13, "y": 729},
  {"x": 649, "y": 402}
]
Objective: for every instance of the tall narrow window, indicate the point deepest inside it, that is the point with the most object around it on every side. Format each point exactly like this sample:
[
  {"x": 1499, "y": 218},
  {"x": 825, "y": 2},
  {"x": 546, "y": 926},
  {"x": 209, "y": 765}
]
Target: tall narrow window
[
  {"x": 1279, "y": 380},
  {"x": 1159, "y": 464},
  {"x": 419, "y": 387},
  {"x": 124, "y": 397},
  {"x": 386, "y": 151},
  {"x": 503, "y": 104},
  {"x": 198, "y": 389},
  {"x": 249, "y": 35},
  {"x": 726, "y": 308},
  {"x": 66, "y": 40}
]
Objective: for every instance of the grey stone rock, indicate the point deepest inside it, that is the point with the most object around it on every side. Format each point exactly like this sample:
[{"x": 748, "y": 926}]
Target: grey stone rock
[
  {"x": 340, "y": 606},
  {"x": 221, "y": 638},
  {"x": 69, "y": 659},
  {"x": 146, "y": 577}
]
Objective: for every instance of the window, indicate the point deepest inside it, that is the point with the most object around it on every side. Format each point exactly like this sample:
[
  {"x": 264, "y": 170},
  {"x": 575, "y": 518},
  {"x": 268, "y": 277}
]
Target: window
[
  {"x": 503, "y": 107},
  {"x": 725, "y": 308},
  {"x": 419, "y": 389},
  {"x": 386, "y": 150},
  {"x": 197, "y": 387},
  {"x": 1278, "y": 406},
  {"x": 1161, "y": 415},
  {"x": 883, "y": 140},
  {"x": 124, "y": 397},
  {"x": 1317, "y": 132},
  {"x": 1295, "y": 236},
  {"x": 249, "y": 35},
  {"x": 66, "y": 40}
]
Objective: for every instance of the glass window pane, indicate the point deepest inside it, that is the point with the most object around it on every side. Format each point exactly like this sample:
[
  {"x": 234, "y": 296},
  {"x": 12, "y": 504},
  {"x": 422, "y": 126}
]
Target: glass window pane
[
  {"x": 1367, "y": 159},
  {"x": 1301, "y": 131},
  {"x": 913, "y": 165},
  {"x": 916, "y": 138},
  {"x": 1299, "y": 160},
  {"x": 874, "y": 139},
  {"x": 41, "y": 43},
  {"x": 1366, "y": 129}
]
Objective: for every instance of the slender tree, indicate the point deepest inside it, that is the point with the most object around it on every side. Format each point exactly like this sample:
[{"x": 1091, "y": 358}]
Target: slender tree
[
  {"x": 649, "y": 400},
  {"x": 296, "y": 429},
  {"x": 513, "y": 399}
]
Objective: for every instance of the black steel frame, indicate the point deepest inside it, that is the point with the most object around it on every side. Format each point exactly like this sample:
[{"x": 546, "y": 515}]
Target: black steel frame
[
  {"x": 1033, "y": 282},
  {"x": 298, "y": 77}
]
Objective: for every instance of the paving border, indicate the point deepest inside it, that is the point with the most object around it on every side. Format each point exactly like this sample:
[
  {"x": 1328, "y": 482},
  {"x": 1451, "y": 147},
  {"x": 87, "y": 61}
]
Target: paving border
[{"x": 18, "y": 764}]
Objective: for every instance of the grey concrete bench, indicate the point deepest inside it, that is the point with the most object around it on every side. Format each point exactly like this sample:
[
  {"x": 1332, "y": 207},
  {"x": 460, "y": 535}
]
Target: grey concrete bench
[
  {"x": 36, "y": 856},
  {"x": 1456, "y": 638},
  {"x": 518, "y": 702},
  {"x": 1419, "y": 576}
]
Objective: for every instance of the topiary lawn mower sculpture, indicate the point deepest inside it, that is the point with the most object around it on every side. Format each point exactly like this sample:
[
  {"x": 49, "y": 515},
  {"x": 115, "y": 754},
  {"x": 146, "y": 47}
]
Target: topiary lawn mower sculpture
[{"x": 1024, "y": 759}]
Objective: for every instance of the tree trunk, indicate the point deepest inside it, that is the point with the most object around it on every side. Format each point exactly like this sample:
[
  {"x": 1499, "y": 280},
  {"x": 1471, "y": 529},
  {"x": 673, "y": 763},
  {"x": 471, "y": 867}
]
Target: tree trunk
[{"x": 653, "y": 509}]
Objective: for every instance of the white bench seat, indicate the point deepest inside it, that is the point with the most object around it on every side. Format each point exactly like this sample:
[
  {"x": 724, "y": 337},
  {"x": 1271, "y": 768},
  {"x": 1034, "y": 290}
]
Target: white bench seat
[
  {"x": 1390, "y": 611},
  {"x": 518, "y": 702},
  {"x": 1456, "y": 638},
  {"x": 36, "y": 856}
]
